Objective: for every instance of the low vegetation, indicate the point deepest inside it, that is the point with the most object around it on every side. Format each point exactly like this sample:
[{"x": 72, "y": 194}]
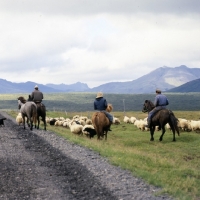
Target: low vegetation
[
  {"x": 82, "y": 102},
  {"x": 173, "y": 166}
]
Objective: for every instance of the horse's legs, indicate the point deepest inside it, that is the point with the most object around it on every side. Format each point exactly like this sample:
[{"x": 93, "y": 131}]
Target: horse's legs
[
  {"x": 152, "y": 129},
  {"x": 24, "y": 121},
  {"x": 38, "y": 119},
  {"x": 44, "y": 121},
  {"x": 173, "y": 131},
  {"x": 163, "y": 132}
]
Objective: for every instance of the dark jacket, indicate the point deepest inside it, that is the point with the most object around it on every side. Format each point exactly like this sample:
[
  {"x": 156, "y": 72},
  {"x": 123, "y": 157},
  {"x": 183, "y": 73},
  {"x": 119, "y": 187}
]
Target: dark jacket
[
  {"x": 100, "y": 104},
  {"x": 37, "y": 96}
]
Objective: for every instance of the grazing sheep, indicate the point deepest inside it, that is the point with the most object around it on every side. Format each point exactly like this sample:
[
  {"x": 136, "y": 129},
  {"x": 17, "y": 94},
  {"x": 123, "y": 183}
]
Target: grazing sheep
[
  {"x": 88, "y": 121},
  {"x": 126, "y": 119},
  {"x": 116, "y": 120},
  {"x": 194, "y": 125},
  {"x": 52, "y": 121},
  {"x": 89, "y": 131},
  {"x": 141, "y": 124},
  {"x": 132, "y": 120},
  {"x": 59, "y": 123},
  {"x": 19, "y": 119},
  {"x": 183, "y": 124},
  {"x": 75, "y": 128}
]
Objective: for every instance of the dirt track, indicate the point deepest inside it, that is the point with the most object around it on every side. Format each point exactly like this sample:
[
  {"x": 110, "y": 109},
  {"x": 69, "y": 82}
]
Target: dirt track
[{"x": 40, "y": 165}]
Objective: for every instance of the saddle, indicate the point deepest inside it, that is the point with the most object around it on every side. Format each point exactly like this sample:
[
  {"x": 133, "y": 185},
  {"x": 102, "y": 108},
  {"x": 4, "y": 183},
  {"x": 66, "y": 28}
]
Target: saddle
[{"x": 39, "y": 104}]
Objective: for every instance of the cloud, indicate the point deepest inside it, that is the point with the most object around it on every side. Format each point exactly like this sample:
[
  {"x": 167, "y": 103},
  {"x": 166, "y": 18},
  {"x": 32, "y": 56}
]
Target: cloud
[{"x": 95, "y": 42}]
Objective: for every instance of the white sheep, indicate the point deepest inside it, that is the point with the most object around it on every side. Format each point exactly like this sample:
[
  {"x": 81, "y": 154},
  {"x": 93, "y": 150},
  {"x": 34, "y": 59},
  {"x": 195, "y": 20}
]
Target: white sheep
[
  {"x": 141, "y": 124},
  {"x": 132, "y": 120},
  {"x": 183, "y": 124},
  {"x": 88, "y": 121},
  {"x": 194, "y": 125},
  {"x": 19, "y": 119},
  {"x": 76, "y": 128},
  {"x": 126, "y": 119},
  {"x": 116, "y": 120}
]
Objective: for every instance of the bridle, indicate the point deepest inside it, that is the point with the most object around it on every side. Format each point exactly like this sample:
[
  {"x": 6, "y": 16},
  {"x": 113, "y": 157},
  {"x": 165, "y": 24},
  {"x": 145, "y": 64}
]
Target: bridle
[{"x": 148, "y": 106}]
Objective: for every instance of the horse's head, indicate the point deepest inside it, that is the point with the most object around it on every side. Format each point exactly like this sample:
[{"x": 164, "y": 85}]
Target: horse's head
[
  {"x": 21, "y": 101},
  {"x": 109, "y": 108},
  {"x": 148, "y": 106}
]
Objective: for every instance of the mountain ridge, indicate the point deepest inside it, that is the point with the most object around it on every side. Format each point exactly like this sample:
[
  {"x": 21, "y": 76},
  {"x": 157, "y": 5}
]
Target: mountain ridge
[{"x": 164, "y": 78}]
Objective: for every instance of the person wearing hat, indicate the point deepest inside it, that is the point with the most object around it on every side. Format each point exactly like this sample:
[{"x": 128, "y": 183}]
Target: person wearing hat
[
  {"x": 160, "y": 102},
  {"x": 100, "y": 104},
  {"x": 36, "y": 95}
]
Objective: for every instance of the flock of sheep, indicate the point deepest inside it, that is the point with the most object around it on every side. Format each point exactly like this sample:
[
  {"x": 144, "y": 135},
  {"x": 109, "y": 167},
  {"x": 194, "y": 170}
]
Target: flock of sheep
[
  {"x": 183, "y": 124},
  {"x": 83, "y": 125}
]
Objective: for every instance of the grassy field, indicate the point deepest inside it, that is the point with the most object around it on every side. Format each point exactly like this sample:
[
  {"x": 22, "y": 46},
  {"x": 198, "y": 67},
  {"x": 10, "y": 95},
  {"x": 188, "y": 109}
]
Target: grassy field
[
  {"x": 173, "y": 166},
  {"x": 72, "y": 102}
]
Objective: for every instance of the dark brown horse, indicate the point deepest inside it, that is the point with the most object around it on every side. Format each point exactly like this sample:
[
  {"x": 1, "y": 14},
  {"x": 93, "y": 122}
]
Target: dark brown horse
[
  {"x": 161, "y": 118},
  {"x": 41, "y": 112},
  {"x": 101, "y": 123}
]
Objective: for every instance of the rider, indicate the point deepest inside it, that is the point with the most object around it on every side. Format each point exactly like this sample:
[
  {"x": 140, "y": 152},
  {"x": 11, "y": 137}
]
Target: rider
[
  {"x": 101, "y": 104},
  {"x": 36, "y": 95},
  {"x": 160, "y": 103}
]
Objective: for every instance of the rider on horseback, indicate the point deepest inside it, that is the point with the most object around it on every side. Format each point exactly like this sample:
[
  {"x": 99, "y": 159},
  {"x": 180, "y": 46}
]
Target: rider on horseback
[
  {"x": 160, "y": 103},
  {"x": 101, "y": 104},
  {"x": 36, "y": 95}
]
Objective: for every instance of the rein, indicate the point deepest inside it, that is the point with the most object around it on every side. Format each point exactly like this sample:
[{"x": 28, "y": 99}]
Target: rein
[{"x": 148, "y": 106}]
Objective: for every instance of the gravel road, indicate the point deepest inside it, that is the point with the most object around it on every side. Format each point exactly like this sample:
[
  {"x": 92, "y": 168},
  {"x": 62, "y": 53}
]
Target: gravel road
[{"x": 39, "y": 164}]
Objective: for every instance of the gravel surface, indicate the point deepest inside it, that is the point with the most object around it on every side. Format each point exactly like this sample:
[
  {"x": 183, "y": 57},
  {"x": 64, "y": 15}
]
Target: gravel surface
[{"x": 39, "y": 164}]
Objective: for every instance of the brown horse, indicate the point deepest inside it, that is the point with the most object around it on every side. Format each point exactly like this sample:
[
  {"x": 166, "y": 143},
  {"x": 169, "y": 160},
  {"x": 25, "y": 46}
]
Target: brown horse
[
  {"x": 29, "y": 110},
  {"x": 41, "y": 112},
  {"x": 161, "y": 118},
  {"x": 101, "y": 123}
]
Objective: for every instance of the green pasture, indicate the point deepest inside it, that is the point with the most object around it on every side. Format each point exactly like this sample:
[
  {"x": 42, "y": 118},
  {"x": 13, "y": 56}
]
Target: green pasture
[
  {"x": 172, "y": 166},
  {"x": 82, "y": 102}
]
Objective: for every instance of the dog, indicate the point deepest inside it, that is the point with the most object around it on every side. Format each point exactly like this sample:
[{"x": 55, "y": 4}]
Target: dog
[{"x": 2, "y": 121}]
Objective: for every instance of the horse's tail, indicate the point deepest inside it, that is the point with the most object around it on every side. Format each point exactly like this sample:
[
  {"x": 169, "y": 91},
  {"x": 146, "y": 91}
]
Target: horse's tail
[
  {"x": 34, "y": 113},
  {"x": 174, "y": 121},
  {"x": 96, "y": 121}
]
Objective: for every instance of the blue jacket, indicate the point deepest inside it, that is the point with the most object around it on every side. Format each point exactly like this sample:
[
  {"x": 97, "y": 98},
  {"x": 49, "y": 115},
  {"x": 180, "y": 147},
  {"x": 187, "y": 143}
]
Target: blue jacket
[
  {"x": 161, "y": 100},
  {"x": 100, "y": 104}
]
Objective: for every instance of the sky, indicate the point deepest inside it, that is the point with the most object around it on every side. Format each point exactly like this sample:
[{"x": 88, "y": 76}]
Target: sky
[{"x": 96, "y": 41}]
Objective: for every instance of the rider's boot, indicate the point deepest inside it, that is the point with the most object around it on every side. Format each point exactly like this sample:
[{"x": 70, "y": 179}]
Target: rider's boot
[
  {"x": 148, "y": 123},
  {"x": 109, "y": 126}
]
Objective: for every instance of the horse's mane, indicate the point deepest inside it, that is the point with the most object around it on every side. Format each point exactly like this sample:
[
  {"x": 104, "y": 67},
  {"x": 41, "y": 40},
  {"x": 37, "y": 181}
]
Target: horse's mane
[
  {"x": 109, "y": 108},
  {"x": 22, "y": 99},
  {"x": 150, "y": 103}
]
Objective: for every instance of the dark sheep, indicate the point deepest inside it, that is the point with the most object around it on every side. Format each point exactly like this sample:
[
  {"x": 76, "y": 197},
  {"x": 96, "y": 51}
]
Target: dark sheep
[
  {"x": 52, "y": 121},
  {"x": 91, "y": 132}
]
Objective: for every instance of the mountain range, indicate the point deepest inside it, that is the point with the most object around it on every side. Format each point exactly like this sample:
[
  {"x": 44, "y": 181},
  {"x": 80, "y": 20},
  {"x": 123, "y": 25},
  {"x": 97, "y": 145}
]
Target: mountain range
[{"x": 177, "y": 79}]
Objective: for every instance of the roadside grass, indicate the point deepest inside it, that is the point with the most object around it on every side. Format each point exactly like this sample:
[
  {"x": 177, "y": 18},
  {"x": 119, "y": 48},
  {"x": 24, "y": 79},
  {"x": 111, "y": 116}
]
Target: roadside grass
[{"x": 172, "y": 166}]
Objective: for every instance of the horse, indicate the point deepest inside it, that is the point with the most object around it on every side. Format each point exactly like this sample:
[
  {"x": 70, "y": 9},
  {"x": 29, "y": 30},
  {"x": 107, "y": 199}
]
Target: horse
[
  {"x": 101, "y": 122},
  {"x": 161, "y": 118},
  {"x": 29, "y": 110},
  {"x": 41, "y": 112}
]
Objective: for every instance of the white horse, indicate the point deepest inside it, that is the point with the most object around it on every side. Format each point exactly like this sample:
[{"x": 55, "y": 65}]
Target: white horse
[{"x": 28, "y": 109}]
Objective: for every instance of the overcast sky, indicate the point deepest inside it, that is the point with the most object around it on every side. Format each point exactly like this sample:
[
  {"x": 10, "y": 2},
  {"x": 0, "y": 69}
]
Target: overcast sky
[{"x": 96, "y": 41}]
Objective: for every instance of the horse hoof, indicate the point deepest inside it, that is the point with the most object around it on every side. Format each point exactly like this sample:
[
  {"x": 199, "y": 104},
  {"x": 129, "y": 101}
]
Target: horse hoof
[{"x": 151, "y": 139}]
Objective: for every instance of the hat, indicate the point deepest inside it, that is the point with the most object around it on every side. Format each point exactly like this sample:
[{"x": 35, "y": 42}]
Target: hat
[
  {"x": 99, "y": 94},
  {"x": 36, "y": 86},
  {"x": 158, "y": 91}
]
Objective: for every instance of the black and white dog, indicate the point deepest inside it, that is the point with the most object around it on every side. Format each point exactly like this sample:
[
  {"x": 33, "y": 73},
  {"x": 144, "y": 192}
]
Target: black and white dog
[{"x": 2, "y": 121}]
